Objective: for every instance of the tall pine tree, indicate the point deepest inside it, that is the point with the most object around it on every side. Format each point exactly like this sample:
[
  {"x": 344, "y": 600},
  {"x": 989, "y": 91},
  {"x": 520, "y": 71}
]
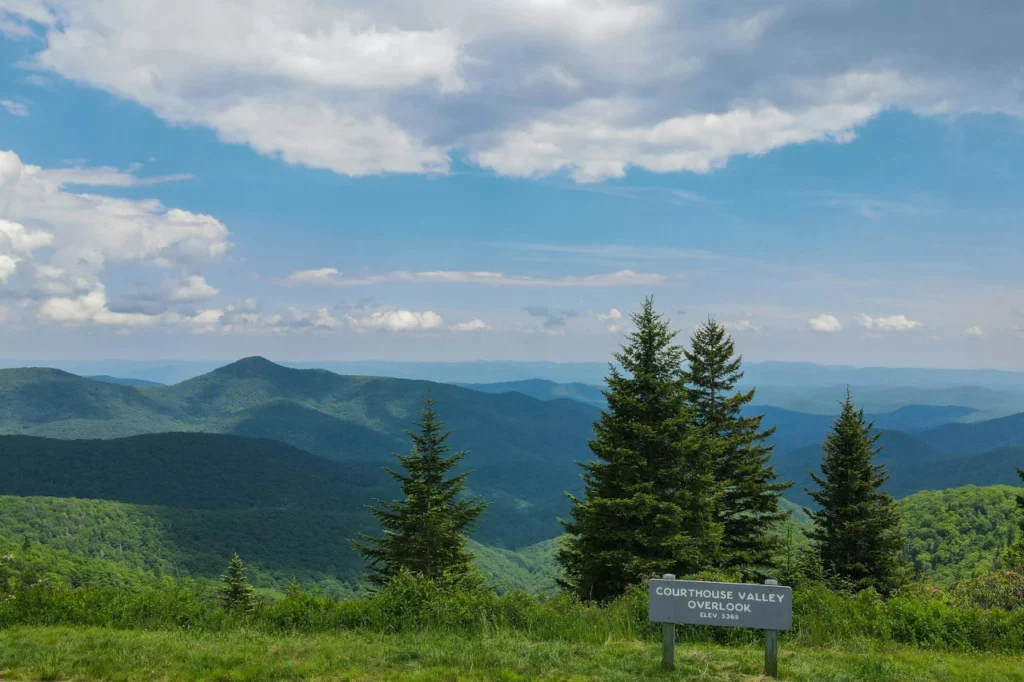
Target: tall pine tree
[
  {"x": 424, "y": 534},
  {"x": 856, "y": 531},
  {"x": 650, "y": 493},
  {"x": 748, "y": 509}
]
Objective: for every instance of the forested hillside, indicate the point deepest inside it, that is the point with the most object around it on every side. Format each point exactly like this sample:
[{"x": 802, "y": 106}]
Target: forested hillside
[
  {"x": 949, "y": 535},
  {"x": 191, "y": 470},
  {"x": 978, "y": 437},
  {"x": 198, "y": 471},
  {"x": 105, "y": 543},
  {"x": 961, "y": 532},
  {"x": 523, "y": 450}
]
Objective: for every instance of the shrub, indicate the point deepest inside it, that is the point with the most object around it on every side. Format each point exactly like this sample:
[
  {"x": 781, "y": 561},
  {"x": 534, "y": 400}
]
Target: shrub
[{"x": 997, "y": 589}]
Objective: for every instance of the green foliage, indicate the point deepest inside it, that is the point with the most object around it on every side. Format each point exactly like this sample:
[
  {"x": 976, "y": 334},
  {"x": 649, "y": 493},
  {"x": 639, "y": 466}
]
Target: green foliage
[
  {"x": 650, "y": 494},
  {"x": 235, "y": 593},
  {"x": 424, "y": 533},
  {"x": 995, "y": 589},
  {"x": 278, "y": 543},
  {"x": 951, "y": 535},
  {"x": 531, "y": 569},
  {"x": 856, "y": 531},
  {"x": 750, "y": 494},
  {"x": 110, "y": 539},
  {"x": 24, "y": 566}
]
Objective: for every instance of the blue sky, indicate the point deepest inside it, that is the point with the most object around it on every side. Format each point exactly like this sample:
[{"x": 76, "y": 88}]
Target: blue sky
[{"x": 508, "y": 181}]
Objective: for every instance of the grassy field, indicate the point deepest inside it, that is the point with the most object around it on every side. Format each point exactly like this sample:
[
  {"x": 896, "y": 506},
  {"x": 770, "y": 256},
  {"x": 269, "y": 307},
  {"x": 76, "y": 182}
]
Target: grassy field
[{"x": 88, "y": 654}]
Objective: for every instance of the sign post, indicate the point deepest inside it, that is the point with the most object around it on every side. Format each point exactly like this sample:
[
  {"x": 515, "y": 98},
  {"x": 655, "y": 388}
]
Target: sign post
[
  {"x": 771, "y": 646},
  {"x": 668, "y": 639},
  {"x": 766, "y": 607}
]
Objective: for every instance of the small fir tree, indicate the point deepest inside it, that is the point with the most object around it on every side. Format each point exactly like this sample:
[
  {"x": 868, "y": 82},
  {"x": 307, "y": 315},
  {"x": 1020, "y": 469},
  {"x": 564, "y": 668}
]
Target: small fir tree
[
  {"x": 236, "y": 594},
  {"x": 856, "y": 532},
  {"x": 748, "y": 509},
  {"x": 650, "y": 493},
  {"x": 424, "y": 533}
]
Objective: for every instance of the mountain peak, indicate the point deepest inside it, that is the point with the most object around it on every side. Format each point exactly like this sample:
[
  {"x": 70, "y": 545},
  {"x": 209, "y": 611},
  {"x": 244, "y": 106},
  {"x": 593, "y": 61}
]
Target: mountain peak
[{"x": 255, "y": 364}]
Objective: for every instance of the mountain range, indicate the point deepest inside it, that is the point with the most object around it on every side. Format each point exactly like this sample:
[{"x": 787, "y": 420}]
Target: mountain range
[
  {"x": 523, "y": 451},
  {"x": 279, "y": 463}
]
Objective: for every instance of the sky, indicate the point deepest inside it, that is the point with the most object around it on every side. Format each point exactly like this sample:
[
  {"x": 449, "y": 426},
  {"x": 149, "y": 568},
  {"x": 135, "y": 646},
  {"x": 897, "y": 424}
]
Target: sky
[{"x": 836, "y": 182}]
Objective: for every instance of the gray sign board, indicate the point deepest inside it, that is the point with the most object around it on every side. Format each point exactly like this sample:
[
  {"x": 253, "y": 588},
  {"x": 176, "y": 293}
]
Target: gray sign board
[{"x": 765, "y": 607}]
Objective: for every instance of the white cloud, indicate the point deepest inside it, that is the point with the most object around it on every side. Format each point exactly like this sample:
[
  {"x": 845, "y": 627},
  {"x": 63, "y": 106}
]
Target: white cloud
[
  {"x": 594, "y": 144},
  {"x": 825, "y": 323},
  {"x": 613, "y": 328},
  {"x": 206, "y": 317},
  {"x": 743, "y": 326},
  {"x": 14, "y": 237},
  {"x": 591, "y": 87},
  {"x": 91, "y": 307},
  {"x": 14, "y": 108},
  {"x": 974, "y": 331},
  {"x": 326, "y": 320},
  {"x": 397, "y": 321},
  {"x": 613, "y": 314},
  {"x": 320, "y": 276},
  {"x": 473, "y": 325},
  {"x": 204, "y": 321},
  {"x": 64, "y": 242},
  {"x": 8, "y": 264},
  {"x": 892, "y": 323},
  {"x": 333, "y": 277},
  {"x": 106, "y": 176},
  {"x": 193, "y": 288}
]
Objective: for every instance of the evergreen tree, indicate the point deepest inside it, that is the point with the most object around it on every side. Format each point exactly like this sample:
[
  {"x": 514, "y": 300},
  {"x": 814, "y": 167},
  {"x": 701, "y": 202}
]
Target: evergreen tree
[
  {"x": 424, "y": 534},
  {"x": 748, "y": 509},
  {"x": 236, "y": 594},
  {"x": 856, "y": 531},
  {"x": 649, "y": 493}
]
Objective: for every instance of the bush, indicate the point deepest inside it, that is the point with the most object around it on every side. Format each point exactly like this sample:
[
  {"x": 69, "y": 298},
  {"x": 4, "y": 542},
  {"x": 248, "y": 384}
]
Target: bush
[{"x": 997, "y": 589}]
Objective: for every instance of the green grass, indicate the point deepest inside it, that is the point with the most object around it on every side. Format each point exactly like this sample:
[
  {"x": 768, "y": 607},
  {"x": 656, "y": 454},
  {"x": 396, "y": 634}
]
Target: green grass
[{"x": 119, "y": 655}]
